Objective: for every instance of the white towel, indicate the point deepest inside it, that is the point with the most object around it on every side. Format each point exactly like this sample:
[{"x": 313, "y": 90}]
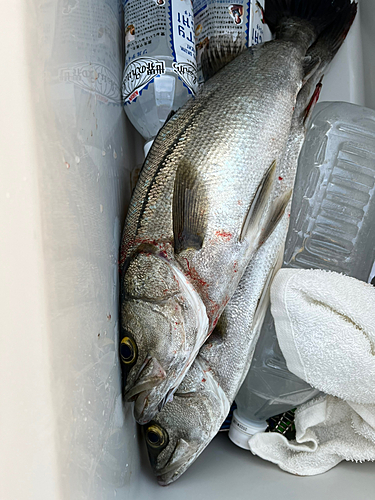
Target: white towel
[{"x": 325, "y": 324}]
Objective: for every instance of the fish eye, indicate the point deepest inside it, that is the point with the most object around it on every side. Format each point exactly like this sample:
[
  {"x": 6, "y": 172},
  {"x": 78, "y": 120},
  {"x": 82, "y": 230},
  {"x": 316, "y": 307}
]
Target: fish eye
[
  {"x": 156, "y": 437},
  {"x": 128, "y": 350}
]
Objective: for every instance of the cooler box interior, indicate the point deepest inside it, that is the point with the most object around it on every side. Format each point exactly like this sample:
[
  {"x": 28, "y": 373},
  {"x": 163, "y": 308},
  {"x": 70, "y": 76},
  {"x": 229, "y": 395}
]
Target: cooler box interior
[{"x": 67, "y": 154}]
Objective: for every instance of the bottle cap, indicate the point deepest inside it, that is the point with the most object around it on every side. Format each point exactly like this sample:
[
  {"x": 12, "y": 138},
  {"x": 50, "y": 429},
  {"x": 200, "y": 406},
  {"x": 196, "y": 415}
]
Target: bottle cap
[
  {"x": 241, "y": 430},
  {"x": 147, "y": 146}
]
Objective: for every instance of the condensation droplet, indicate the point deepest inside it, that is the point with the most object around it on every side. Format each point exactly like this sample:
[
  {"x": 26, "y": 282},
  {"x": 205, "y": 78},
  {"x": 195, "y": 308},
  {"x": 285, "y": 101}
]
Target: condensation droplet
[
  {"x": 103, "y": 153},
  {"x": 101, "y": 209},
  {"x": 77, "y": 159},
  {"x": 114, "y": 154}
]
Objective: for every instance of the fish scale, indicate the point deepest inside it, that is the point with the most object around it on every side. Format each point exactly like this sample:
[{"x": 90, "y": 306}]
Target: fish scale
[
  {"x": 220, "y": 175},
  {"x": 226, "y": 356},
  {"x": 203, "y": 205}
]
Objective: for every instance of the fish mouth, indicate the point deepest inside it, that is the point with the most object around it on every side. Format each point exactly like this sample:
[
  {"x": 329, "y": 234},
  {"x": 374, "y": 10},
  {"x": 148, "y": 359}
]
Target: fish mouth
[
  {"x": 182, "y": 457},
  {"x": 148, "y": 404},
  {"x": 151, "y": 374},
  {"x": 150, "y": 377}
]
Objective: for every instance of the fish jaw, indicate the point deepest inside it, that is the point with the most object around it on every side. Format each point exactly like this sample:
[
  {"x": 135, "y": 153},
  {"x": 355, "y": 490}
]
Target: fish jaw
[
  {"x": 151, "y": 375},
  {"x": 181, "y": 459},
  {"x": 168, "y": 333},
  {"x": 190, "y": 421}
]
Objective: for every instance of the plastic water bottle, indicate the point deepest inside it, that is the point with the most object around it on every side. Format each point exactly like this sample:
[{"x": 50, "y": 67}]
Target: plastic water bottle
[
  {"x": 214, "y": 18},
  {"x": 331, "y": 227},
  {"x": 160, "y": 72}
]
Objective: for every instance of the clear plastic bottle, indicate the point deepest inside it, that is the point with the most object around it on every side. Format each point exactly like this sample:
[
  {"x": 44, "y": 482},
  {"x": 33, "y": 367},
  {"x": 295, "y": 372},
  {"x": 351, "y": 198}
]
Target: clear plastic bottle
[
  {"x": 215, "y": 17},
  {"x": 331, "y": 227},
  {"x": 160, "y": 72}
]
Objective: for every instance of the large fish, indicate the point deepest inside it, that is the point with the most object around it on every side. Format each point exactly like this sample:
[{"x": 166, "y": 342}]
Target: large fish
[
  {"x": 186, "y": 425},
  {"x": 203, "y": 203}
]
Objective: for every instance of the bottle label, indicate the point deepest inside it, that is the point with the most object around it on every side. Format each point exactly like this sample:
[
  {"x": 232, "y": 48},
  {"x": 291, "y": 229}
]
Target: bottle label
[
  {"x": 138, "y": 74},
  {"x": 240, "y": 426},
  {"x": 183, "y": 42},
  {"x": 157, "y": 31},
  {"x": 220, "y": 17},
  {"x": 256, "y": 23}
]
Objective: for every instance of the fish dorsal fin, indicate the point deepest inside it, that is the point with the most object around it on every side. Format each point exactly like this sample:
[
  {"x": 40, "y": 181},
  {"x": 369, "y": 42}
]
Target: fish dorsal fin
[
  {"x": 251, "y": 224},
  {"x": 189, "y": 209},
  {"x": 220, "y": 51}
]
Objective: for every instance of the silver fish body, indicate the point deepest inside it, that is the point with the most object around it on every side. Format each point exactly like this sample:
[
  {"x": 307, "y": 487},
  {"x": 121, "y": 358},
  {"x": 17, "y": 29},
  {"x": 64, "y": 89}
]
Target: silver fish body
[
  {"x": 201, "y": 403},
  {"x": 199, "y": 212}
]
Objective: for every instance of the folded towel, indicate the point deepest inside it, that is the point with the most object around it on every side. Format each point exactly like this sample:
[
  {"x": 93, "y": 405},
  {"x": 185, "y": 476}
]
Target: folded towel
[
  {"x": 325, "y": 324},
  {"x": 328, "y": 430}
]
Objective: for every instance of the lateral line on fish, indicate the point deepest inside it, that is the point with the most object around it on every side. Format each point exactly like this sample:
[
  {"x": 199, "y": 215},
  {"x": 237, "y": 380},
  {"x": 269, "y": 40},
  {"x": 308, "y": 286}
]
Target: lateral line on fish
[{"x": 161, "y": 163}]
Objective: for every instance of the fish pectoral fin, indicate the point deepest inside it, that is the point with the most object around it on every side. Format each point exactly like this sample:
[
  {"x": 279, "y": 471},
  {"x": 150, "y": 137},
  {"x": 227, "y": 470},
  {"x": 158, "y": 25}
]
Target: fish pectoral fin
[
  {"x": 189, "y": 208},
  {"x": 310, "y": 66},
  {"x": 278, "y": 209},
  {"x": 252, "y": 223}
]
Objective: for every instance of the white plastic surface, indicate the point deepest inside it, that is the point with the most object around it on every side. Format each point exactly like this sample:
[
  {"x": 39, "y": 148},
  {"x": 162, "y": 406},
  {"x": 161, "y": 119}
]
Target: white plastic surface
[
  {"x": 241, "y": 430},
  {"x": 66, "y": 152}
]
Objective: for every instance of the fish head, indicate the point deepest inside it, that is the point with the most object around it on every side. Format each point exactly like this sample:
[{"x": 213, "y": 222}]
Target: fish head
[
  {"x": 186, "y": 425},
  {"x": 163, "y": 324},
  {"x": 176, "y": 437}
]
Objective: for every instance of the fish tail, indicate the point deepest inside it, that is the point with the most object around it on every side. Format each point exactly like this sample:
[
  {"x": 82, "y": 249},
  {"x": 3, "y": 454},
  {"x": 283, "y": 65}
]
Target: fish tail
[
  {"x": 318, "y": 57},
  {"x": 314, "y": 17}
]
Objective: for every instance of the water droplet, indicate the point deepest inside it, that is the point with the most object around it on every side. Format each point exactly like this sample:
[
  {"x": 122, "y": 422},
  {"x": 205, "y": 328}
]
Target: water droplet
[
  {"x": 114, "y": 154},
  {"x": 77, "y": 159},
  {"x": 103, "y": 153},
  {"x": 85, "y": 419},
  {"x": 101, "y": 209},
  {"x": 127, "y": 465},
  {"x": 67, "y": 164},
  {"x": 89, "y": 402}
]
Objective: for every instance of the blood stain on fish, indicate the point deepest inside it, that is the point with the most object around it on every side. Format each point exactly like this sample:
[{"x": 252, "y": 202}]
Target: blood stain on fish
[{"x": 224, "y": 235}]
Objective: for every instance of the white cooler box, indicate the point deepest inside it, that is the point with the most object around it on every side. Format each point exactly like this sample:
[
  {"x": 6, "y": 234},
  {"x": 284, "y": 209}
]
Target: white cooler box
[{"x": 67, "y": 151}]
